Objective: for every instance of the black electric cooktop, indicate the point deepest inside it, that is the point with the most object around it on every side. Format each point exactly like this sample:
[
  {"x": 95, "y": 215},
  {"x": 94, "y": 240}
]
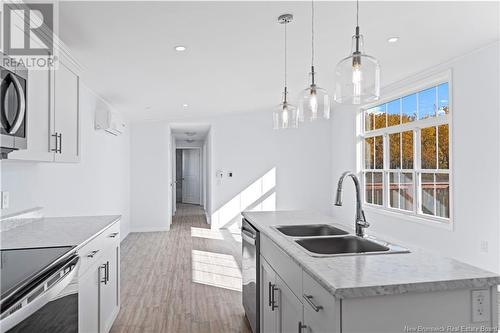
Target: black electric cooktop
[{"x": 20, "y": 266}]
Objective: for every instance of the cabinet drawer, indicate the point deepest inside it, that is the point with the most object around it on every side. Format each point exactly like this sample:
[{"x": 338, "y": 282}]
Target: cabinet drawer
[
  {"x": 91, "y": 252},
  {"x": 321, "y": 313},
  {"x": 286, "y": 268}
]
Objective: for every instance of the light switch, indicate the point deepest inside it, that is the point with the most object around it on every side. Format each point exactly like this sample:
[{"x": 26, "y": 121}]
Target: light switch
[
  {"x": 5, "y": 200},
  {"x": 480, "y": 306}
]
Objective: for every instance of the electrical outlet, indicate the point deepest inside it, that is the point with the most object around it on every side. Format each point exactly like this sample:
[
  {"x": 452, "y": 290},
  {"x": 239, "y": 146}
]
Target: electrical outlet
[
  {"x": 5, "y": 200},
  {"x": 484, "y": 246},
  {"x": 480, "y": 305}
]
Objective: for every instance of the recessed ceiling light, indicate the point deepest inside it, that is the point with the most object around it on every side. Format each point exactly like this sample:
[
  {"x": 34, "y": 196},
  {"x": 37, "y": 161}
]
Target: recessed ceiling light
[
  {"x": 180, "y": 48},
  {"x": 185, "y": 105},
  {"x": 393, "y": 39},
  {"x": 190, "y": 133}
]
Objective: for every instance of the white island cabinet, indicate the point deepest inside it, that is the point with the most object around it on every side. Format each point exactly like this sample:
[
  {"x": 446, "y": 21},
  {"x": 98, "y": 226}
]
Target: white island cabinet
[
  {"x": 386, "y": 293},
  {"x": 99, "y": 281}
]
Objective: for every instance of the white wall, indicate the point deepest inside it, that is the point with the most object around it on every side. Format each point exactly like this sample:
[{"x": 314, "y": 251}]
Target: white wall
[
  {"x": 476, "y": 164},
  {"x": 271, "y": 169},
  {"x": 98, "y": 185},
  {"x": 151, "y": 197}
]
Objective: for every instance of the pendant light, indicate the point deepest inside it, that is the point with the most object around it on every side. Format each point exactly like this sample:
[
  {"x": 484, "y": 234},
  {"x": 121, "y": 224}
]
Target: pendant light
[
  {"x": 314, "y": 101},
  {"x": 285, "y": 116},
  {"x": 358, "y": 75}
]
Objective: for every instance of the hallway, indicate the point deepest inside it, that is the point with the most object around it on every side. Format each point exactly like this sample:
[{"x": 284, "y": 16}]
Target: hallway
[{"x": 190, "y": 281}]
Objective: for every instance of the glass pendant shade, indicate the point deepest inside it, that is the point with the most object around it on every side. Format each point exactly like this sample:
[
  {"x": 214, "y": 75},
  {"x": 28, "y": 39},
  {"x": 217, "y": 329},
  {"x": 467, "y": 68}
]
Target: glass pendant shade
[
  {"x": 314, "y": 103},
  {"x": 357, "y": 77},
  {"x": 285, "y": 116}
]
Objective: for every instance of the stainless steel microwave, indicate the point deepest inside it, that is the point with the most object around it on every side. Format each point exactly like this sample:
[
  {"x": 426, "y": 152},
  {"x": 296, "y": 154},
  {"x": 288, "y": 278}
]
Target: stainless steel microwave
[{"x": 13, "y": 105}]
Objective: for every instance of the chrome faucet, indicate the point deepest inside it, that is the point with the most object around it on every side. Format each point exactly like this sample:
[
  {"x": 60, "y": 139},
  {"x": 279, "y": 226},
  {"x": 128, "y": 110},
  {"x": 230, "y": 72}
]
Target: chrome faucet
[{"x": 360, "y": 223}]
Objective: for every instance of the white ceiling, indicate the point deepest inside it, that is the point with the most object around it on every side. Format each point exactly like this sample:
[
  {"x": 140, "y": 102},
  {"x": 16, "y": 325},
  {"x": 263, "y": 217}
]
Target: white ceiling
[
  {"x": 234, "y": 60},
  {"x": 179, "y": 131}
]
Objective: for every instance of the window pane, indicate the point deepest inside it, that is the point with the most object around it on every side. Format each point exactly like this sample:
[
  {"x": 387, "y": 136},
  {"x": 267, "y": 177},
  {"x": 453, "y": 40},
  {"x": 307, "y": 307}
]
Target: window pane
[
  {"x": 443, "y": 102},
  {"x": 427, "y": 181},
  {"x": 409, "y": 108},
  {"x": 428, "y": 148},
  {"x": 406, "y": 191},
  {"x": 443, "y": 147},
  {"x": 427, "y": 103},
  {"x": 443, "y": 195},
  {"x": 394, "y": 189},
  {"x": 369, "y": 120},
  {"x": 395, "y": 151},
  {"x": 380, "y": 116},
  {"x": 369, "y": 187},
  {"x": 394, "y": 113},
  {"x": 369, "y": 153},
  {"x": 407, "y": 149},
  {"x": 378, "y": 188},
  {"x": 379, "y": 152}
]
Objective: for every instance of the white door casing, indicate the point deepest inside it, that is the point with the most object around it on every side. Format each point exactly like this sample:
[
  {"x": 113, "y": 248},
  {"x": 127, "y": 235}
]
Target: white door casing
[{"x": 191, "y": 176}]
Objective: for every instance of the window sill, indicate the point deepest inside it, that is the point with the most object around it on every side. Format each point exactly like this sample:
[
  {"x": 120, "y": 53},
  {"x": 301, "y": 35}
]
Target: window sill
[{"x": 409, "y": 217}]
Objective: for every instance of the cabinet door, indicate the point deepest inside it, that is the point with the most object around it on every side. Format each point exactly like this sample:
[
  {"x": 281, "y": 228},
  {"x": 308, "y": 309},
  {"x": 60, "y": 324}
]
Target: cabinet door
[
  {"x": 88, "y": 302},
  {"x": 268, "y": 315},
  {"x": 39, "y": 118},
  {"x": 67, "y": 114},
  {"x": 109, "y": 297},
  {"x": 290, "y": 309}
]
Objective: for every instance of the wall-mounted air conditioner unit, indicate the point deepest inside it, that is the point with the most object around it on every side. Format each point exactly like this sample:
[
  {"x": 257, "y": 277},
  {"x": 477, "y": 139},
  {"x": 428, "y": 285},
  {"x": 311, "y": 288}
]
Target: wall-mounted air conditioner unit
[{"x": 109, "y": 120}]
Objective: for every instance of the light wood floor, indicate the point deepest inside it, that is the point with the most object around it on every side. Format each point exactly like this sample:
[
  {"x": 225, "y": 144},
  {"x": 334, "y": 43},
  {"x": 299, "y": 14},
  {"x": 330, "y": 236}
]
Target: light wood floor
[{"x": 185, "y": 280}]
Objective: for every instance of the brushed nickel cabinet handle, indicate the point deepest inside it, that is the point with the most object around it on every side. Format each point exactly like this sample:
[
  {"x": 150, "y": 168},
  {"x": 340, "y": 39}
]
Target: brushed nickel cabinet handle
[
  {"x": 60, "y": 143},
  {"x": 309, "y": 300},
  {"x": 273, "y": 302},
  {"x": 92, "y": 254},
  {"x": 103, "y": 279},
  {"x": 56, "y": 150}
]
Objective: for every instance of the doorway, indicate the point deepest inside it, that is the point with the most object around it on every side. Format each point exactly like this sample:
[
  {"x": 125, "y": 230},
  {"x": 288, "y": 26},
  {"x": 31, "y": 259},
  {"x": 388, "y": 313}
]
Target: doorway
[{"x": 188, "y": 172}]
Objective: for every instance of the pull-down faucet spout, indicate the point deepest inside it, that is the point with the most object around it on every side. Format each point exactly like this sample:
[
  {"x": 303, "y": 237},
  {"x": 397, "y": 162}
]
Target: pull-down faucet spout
[{"x": 360, "y": 223}]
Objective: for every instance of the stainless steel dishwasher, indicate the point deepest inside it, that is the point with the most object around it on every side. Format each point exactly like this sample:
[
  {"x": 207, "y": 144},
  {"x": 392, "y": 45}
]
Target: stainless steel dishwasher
[{"x": 251, "y": 274}]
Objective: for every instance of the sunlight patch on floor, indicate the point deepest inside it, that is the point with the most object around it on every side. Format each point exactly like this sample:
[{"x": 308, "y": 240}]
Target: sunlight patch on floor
[
  {"x": 206, "y": 233},
  {"x": 215, "y": 269}
]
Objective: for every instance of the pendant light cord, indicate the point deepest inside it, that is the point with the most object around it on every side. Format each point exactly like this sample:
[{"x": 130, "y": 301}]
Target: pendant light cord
[
  {"x": 286, "y": 23},
  {"x": 312, "y": 33},
  {"x": 357, "y": 12}
]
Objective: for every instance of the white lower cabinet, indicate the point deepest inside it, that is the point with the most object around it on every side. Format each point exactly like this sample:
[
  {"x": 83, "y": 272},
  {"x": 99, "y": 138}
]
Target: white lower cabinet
[
  {"x": 281, "y": 310},
  {"x": 292, "y": 301},
  {"x": 99, "y": 282},
  {"x": 268, "y": 307},
  {"x": 290, "y": 309}
]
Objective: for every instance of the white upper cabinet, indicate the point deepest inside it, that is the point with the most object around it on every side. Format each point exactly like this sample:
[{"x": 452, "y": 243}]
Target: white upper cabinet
[
  {"x": 66, "y": 123},
  {"x": 39, "y": 117},
  {"x": 53, "y": 116}
]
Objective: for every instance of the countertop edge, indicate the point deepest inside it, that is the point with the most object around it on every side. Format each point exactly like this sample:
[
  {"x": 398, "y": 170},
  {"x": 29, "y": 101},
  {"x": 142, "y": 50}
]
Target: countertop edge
[
  {"x": 115, "y": 219},
  {"x": 389, "y": 289}
]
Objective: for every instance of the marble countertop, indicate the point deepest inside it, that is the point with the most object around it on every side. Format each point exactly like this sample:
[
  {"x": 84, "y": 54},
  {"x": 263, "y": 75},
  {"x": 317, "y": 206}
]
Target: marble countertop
[
  {"x": 54, "y": 231},
  {"x": 371, "y": 275}
]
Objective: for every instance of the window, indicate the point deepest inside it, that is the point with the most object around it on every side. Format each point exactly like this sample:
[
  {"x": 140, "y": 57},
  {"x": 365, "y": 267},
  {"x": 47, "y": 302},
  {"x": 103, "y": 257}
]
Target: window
[{"x": 406, "y": 154}]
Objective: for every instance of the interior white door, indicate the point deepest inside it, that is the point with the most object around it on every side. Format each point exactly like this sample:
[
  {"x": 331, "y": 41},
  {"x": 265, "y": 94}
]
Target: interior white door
[{"x": 191, "y": 181}]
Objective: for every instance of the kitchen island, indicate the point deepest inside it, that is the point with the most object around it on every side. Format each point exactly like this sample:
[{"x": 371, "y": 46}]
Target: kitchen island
[{"x": 382, "y": 292}]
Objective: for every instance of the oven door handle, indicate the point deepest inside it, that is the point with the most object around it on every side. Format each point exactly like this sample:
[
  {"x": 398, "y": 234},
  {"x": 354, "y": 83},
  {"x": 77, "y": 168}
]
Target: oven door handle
[{"x": 28, "y": 309}]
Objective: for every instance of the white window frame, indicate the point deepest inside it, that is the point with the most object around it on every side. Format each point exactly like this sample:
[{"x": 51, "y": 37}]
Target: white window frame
[{"x": 385, "y": 209}]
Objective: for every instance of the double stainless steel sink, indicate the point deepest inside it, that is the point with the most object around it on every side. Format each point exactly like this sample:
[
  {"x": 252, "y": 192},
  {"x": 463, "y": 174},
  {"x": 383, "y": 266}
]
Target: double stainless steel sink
[{"x": 324, "y": 240}]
